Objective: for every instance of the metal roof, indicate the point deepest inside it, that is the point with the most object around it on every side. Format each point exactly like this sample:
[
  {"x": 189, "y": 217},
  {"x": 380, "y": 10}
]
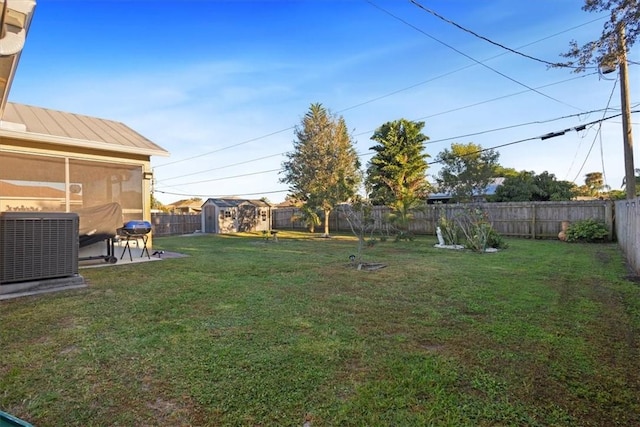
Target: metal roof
[
  {"x": 26, "y": 122},
  {"x": 232, "y": 203}
]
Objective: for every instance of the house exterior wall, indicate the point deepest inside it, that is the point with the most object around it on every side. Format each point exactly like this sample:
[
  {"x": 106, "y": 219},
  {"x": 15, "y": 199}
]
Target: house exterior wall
[{"x": 36, "y": 176}]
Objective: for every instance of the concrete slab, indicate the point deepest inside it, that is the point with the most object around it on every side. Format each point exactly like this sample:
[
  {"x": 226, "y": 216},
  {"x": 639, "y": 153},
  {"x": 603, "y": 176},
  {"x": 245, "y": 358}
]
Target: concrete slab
[{"x": 35, "y": 287}]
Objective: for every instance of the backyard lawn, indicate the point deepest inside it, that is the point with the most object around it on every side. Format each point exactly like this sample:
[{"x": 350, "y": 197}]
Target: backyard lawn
[{"x": 253, "y": 333}]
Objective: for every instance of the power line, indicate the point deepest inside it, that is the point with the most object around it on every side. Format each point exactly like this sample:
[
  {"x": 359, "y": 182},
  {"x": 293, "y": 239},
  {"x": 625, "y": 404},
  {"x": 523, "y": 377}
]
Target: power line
[
  {"x": 463, "y": 68},
  {"x": 163, "y": 182},
  {"x": 375, "y": 99},
  {"x": 218, "y": 196},
  {"x": 229, "y": 177},
  {"x": 470, "y": 57},
  {"x": 514, "y": 126},
  {"x": 541, "y": 137},
  {"x": 223, "y": 167},
  {"x": 492, "y": 100},
  {"x": 599, "y": 132},
  {"x": 473, "y": 33},
  {"x": 421, "y": 118},
  {"x": 227, "y": 147}
]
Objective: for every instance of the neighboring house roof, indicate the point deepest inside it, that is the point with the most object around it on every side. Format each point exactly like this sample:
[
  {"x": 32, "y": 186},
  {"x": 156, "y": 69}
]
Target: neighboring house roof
[
  {"x": 11, "y": 190},
  {"x": 286, "y": 204},
  {"x": 26, "y": 122},
  {"x": 233, "y": 203},
  {"x": 490, "y": 190},
  {"x": 186, "y": 204}
]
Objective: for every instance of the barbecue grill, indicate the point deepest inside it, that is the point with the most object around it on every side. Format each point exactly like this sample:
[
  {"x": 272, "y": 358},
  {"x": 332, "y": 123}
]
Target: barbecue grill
[{"x": 136, "y": 231}]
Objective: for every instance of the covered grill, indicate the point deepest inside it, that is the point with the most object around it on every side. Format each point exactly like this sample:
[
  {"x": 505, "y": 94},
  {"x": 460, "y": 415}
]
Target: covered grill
[
  {"x": 97, "y": 224},
  {"x": 135, "y": 230}
]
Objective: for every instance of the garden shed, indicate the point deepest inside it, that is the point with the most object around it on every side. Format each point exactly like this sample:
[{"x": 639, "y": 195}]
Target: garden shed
[{"x": 232, "y": 215}]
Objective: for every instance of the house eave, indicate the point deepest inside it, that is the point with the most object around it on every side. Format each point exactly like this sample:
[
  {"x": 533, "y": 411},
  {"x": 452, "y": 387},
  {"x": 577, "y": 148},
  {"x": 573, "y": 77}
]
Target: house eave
[{"x": 81, "y": 143}]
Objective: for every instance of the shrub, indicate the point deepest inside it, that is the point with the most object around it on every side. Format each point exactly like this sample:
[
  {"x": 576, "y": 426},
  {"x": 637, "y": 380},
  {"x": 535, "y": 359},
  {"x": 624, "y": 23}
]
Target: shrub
[
  {"x": 478, "y": 231},
  {"x": 404, "y": 236},
  {"x": 587, "y": 230},
  {"x": 495, "y": 240},
  {"x": 450, "y": 230}
]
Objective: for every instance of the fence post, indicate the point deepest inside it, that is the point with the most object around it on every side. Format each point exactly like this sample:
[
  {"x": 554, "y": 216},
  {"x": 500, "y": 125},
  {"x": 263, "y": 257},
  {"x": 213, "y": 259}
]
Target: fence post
[
  {"x": 533, "y": 221},
  {"x": 608, "y": 217}
]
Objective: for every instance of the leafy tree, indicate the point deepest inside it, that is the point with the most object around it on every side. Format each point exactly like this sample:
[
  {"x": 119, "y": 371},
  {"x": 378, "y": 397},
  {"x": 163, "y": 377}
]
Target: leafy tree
[
  {"x": 467, "y": 169},
  {"x": 608, "y": 50},
  {"x": 501, "y": 171},
  {"x": 520, "y": 188},
  {"x": 527, "y": 186},
  {"x": 616, "y": 195},
  {"x": 398, "y": 169},
  {"x": 157, "y": 204},
  {"x": 309, "y": 216},
  {"x": 323, "y": 169},
  {"x": 553, "y": 189},
  {"x": 594, "y": 182}
]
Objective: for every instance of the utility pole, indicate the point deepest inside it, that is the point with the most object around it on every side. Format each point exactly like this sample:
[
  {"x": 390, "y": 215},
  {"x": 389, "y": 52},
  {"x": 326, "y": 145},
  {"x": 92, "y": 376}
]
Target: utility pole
[{"x": 627, "y": 136}]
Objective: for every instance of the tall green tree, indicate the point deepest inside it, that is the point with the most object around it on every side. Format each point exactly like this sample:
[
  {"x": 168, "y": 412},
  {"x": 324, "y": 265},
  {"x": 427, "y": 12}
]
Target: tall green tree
[
  {"x": 397, "y": 172},
  {"x": 526, "y": 186},
  {"x": 323, "y": 169},
  {"x": 467, "y": 170}
]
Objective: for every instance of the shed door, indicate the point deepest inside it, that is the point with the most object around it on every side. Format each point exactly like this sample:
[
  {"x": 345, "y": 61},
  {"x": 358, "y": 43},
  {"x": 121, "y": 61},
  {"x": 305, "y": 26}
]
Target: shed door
[{"x": 210, "y": 219}]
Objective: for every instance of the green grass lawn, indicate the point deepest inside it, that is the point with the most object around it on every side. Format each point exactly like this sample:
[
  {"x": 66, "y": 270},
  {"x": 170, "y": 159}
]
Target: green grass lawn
[{"x": 252, "y": 333}]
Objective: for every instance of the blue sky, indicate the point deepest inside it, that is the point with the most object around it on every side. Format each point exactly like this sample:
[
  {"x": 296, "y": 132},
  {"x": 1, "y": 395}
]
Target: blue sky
[{"x": 221, "y": 84}]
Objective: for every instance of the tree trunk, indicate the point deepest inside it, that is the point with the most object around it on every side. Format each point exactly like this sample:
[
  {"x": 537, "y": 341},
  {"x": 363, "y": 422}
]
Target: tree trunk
[{"x": 326, "y": 222}]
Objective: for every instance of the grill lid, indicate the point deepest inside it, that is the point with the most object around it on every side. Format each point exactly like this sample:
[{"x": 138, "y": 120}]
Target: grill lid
[{"x": 135, "y": 228}]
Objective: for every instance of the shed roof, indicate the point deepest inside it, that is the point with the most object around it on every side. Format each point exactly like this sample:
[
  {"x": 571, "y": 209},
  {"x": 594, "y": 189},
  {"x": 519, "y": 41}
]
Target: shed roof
[
  {"x": 26, "y": 122},
  {"x": 489, "y": 190},
  {"x": 232, "y": 203}
]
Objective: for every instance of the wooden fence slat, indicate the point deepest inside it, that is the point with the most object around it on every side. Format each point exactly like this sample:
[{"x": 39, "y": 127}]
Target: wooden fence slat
[
  {"x": 517, "y": 219},
  {"x": 167, "y": 224}
]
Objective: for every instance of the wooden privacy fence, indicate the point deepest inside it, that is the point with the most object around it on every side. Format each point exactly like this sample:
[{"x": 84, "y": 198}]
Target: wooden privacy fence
[
  {"x": 627, "y": 229},
  {"x": 536, "y": 220},
  {"x": 167, "y": 224}
]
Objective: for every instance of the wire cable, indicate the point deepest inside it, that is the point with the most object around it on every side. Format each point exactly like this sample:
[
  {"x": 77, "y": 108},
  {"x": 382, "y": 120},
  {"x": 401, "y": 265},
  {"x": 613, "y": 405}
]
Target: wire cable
[
  {"x": 219, "y": 196},
  {"x": 473, "y": 33},
  {"x": 541, "y": 137},
  {"x": 227, "y": 147},
  {"x": 470, "y": 57},
  {"x": 224, "y": 167},
  {"x": 374, "y": 99},
  {"x": 596, "y": 135}
]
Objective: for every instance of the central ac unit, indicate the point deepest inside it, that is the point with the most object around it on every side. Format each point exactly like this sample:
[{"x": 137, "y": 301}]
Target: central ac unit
[{"x": 38, "y": 245}]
